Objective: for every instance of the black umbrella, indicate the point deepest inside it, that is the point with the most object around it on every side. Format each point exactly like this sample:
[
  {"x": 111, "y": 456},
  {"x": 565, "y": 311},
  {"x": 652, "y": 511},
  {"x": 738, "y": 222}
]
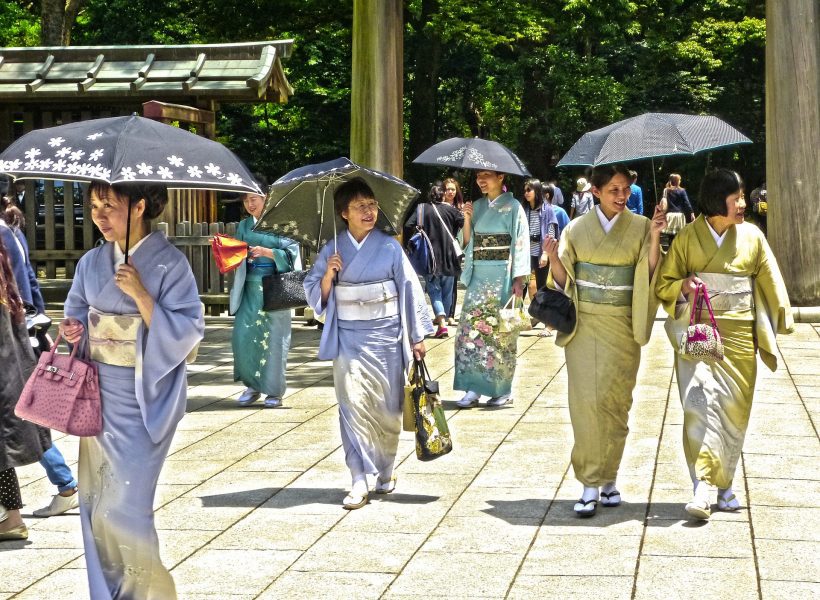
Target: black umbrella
[
  {"x": 122, "y": 150},
  {"x": 649, "y": 136},
  {"x": 473, "y": 153},
  {"x": 126, "y": 151},
  {"x": 300, "y": 203}
]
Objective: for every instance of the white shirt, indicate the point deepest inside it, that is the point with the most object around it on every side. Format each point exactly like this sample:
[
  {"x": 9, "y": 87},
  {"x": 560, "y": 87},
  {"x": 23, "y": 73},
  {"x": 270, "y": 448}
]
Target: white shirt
[
  {"x": 355, "y": 243},
  {"x": 607, "y": 225},
  {"x": 119, "y": 255},
  {"x": 718, "y": 238}
]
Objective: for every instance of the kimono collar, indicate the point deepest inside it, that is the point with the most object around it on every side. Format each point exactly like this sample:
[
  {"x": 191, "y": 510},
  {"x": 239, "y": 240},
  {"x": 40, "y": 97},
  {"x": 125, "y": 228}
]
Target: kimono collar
[
  {"x": 718, "y": 238},
  {"x": 607, "y": 225},
  {"x": 501, "y": 200},
  {"x": 119, "y": 255},
  {"x": 357, "y": 245}
]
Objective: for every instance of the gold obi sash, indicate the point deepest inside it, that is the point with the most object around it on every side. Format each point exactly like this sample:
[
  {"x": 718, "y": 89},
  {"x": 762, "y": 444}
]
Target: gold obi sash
[
  {"x": 492, "y": 246},
  {"x": 366, "y": 301},
  {"x": 604, "y": 284},
  {"x": 113, "y": 338},
  {"x": 729, "y": 293}
]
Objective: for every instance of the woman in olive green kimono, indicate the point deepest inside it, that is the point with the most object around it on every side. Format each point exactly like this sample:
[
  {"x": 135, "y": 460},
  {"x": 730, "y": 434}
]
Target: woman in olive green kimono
[
  {"x": 605, "y": 262},
  {"x": 751, "y": 306}
]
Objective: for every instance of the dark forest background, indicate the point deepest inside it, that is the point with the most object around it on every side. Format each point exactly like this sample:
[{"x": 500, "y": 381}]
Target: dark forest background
[{"x": 532, "y": 74}]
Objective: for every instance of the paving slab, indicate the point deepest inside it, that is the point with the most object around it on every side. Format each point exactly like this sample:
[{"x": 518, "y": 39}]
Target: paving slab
[{"x": 252, "y": 496}]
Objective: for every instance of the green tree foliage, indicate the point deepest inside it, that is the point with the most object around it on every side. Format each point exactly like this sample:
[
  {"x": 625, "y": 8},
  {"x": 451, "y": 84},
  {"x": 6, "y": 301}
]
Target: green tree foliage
[
  {"x": 19, "y": 23},
  {"x": 533, "y": 74}
]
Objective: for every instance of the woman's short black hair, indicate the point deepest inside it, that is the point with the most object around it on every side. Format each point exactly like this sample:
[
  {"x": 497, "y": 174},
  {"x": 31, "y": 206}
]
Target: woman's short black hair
[
  {"x": 602, "y": 174},
  {"x": 436, "y": 193},
  {"x": 716, "y": 186},
  {"x": 349, "y": 191},
  {"x": 536, "y": 186},
  {"x": 155, "y": 196},
  {"x": 549, "y": 193}
]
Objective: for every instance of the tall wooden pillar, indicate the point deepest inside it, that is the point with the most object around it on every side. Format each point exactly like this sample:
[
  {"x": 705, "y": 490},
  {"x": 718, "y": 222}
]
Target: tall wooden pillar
[
  {"x": 376, "y": 129},
  {"x": 793, "y": 143}
]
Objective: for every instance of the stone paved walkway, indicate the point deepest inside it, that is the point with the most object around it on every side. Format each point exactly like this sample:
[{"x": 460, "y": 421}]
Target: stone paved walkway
[{"x": 249, "y": 501}]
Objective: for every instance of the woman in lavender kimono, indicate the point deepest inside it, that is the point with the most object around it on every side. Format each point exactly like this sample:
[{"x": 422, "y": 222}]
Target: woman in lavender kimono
[
  {"x": 497, "y": 263},
  {"x": 261, "y": 338},
  {"x": 140, "y": 321},
  {"x": 375, "y": 322}
]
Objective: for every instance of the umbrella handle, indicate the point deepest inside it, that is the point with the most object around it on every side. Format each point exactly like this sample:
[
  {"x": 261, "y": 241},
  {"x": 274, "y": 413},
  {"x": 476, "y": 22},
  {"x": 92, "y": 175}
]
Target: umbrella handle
[{"x": 128, "y": 231}]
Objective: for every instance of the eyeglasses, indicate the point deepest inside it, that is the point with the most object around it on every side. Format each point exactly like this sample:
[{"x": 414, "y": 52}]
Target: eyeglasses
[
  {"x": 527, "y": 189},
  {"x": 365, "y": 207}
]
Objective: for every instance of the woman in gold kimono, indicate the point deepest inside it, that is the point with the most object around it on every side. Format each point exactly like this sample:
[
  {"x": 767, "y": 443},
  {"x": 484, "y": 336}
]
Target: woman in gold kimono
[
  {"x": 751, "y": 306},
  {"x": 605, "y": 262}
]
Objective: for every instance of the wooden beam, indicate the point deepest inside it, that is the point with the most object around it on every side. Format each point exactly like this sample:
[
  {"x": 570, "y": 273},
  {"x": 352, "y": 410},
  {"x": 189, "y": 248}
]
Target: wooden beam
[
  {"x": 793, "y": 143},
  {"x": 376, "y": 129}
]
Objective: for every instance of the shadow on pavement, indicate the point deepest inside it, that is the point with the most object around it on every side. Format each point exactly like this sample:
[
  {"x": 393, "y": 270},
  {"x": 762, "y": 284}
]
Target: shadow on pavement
[
  {"x": 560, "y": 513},
  {"x": 291, "y": 497}
]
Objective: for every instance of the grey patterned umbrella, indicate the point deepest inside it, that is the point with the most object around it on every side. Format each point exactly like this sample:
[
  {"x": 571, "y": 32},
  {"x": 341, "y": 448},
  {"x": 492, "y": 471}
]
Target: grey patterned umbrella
[
  {"x": 473, "y": 153},
  {"x": 652, "y": 135},
  {"x": 300, "y": 203},
  {"x": 123, "y": 150}
]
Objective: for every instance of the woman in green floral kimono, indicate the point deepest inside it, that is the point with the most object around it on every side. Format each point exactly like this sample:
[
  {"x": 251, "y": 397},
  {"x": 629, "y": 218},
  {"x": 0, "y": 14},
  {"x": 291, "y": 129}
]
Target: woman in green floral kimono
[
  {"x": 261, "y": 339},
  {"x": 497, "y": 262}
]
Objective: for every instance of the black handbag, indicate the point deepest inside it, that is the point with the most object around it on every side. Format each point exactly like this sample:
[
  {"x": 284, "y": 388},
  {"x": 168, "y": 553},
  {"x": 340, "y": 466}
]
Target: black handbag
[
  {"x": 432, "y": 434},
  {"x": 283, "y": 291},
  {"x": 554, "y": 309}
]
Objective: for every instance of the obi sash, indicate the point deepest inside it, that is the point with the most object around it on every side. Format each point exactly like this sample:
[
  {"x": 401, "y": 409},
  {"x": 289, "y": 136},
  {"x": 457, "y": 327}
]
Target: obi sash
[
  {"x": 492, "y": 246},
  {"x": 604, "y": 284},
  {"x": 367, "y": 301},
  {"x": 729, "y": 293},
  {"x": 113, "y": 338}
]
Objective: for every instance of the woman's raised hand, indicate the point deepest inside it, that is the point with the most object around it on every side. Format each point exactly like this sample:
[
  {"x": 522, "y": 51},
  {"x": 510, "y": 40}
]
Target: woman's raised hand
[
  {"x": 128, "y": 280},
  {"x": 690, "y": 284},
  {"x": 257, "y": 251},
  {"x": 334, "y": 265},
  {"x": 467, "y": 210},
  {"x": 550, "y": 248},
  {"x": 658, "y": 221},
  {"x": 72, "y": 330}
]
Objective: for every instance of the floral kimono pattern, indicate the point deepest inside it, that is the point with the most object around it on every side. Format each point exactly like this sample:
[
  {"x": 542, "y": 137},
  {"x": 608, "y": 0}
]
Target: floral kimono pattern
[{"x": 486, "y": 356}]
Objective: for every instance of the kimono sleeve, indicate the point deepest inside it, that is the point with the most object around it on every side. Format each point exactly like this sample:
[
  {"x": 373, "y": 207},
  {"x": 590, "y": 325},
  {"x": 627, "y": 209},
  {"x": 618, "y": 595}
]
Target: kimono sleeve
[
  {"x": 415, "y": 316},
  {"x": 671, "y": 274},
  {"x": 286, "y": 254},
  {"x": 520, "y": 245},
  {"x": 76, "y": 303},
  {"x": 773, "y": 313},
  {"x": 313, "y": 281},
  {"x": 644, "y": 298},
  {"x": 177, "y": 327}
]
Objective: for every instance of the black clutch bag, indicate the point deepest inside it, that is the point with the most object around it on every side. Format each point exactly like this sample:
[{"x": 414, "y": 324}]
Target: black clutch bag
[
  {"x": 283, "y": 291},
  {"x": 554, "y": 309}
]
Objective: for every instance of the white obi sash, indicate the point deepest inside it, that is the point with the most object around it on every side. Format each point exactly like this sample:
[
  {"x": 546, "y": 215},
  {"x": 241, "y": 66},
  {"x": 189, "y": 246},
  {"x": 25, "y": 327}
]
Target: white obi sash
[
  {"x": 113, "y": 338},
  {"x": 728, "y": 293},
  {"x": 366, "y": 301}
]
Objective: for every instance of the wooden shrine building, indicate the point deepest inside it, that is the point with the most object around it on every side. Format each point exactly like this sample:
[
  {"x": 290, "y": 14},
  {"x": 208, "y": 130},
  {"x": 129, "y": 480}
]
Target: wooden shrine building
[{"x": 185, "y": 85}]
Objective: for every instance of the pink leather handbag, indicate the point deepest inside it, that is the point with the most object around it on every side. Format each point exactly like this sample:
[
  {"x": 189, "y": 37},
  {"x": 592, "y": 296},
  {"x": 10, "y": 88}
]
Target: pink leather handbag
[{"x": 62, "y": 393}]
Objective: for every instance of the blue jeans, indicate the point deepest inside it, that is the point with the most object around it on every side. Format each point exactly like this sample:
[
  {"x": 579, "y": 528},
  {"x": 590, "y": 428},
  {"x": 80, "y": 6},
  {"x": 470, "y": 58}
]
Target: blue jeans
[
  {"x": 440, "y": 290},
  {"x": 57, "y": 471}
]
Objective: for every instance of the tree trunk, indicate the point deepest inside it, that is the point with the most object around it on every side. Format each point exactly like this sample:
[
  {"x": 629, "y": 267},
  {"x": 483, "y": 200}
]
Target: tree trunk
[
  {"x": 793, "y": 143},
  {"x": 376, "y": 129},
  {"x": 57, "y": 21},
  {"x": 534, "y": 113},
  {"x": 424, "y": 93}
]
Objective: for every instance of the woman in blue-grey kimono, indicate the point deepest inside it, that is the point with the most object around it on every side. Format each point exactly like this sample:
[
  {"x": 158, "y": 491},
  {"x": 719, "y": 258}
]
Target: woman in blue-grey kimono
[
  {"x": 261, "y": 338},
  {"x": 375, "y": 322},
  {"x": 497, "y": 264},
  {"x": 139, "y": 320}
]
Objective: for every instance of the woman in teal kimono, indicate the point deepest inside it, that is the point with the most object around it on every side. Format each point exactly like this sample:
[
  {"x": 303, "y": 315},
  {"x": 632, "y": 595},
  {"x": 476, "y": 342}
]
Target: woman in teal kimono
[
  {"x": 261, "y": 338},
  {"x": 497, "y": 263}
]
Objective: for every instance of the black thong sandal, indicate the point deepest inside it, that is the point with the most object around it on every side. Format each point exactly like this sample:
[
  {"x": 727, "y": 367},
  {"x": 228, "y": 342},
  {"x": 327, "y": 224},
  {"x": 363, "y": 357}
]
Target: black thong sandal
[
  {"x": 586, "y": 512},
  {"x": 612, "y": 498}
]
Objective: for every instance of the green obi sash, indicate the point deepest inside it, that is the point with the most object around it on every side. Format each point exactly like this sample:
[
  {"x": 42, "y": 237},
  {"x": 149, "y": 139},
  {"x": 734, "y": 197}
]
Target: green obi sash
[{"x": 604, "y": 284}]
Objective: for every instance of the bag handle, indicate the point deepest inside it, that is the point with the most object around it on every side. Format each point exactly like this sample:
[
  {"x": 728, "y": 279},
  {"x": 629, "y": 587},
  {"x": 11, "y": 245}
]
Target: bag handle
[
  {"x": 444, "y": 225},
  {"x": 700, "y": 299}
]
